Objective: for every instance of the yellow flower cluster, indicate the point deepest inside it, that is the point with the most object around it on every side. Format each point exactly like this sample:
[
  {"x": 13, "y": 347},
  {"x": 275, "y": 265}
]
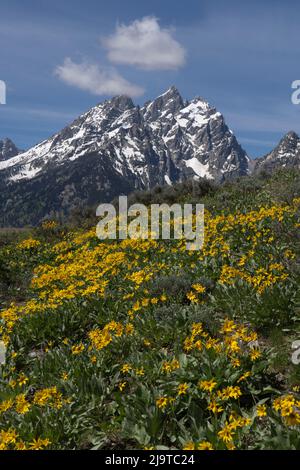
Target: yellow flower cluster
[
  {"x": 29, "y": 244},
  {"x": 226, "y": 434},
  {"x": 170, "y": 366},
  {"x": 261, "y": 279},
  {"x": 203, "y": 445},
  {"x": 193, "y": 295},
  {"x": 235, "y": 339},
  {"x": 9, "y": 440},
  {"x": 289, "y": 408},
  {"x": 84, "y": 268},
  {"x": 46, "y": 397},
  {"x": 49, "y": 225},
  {"x": 100, "y": 338}
]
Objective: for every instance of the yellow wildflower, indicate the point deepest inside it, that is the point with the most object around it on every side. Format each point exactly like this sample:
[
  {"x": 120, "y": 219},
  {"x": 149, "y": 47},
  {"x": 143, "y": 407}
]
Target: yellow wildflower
[
  {"x": 205, "y": 445},
  {"x": 182, "y": 389},
  {"x": 261, "y": 410},
  {"x": 207, "y": 385}
]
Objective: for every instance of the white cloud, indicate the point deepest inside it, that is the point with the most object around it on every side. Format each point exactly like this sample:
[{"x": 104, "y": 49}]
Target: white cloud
[
  {"x": 95, "y": 79},
  {"x": 145, "y": 44}
]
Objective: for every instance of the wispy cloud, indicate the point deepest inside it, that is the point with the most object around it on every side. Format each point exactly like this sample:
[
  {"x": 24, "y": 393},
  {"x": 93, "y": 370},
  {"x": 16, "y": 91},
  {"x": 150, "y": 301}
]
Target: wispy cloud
[
  {"x": 145, "y": 44},
  {"x": 260, "y": 142},
  {"x": 282, "y": 120},
  {"x": 40, "y": 113},
  {"x": 96, "y": 79}
]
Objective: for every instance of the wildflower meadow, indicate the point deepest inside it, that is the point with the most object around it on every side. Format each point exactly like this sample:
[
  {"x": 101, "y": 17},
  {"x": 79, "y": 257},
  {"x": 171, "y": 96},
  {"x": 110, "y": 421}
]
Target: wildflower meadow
[{"x": 142, "y": 344}]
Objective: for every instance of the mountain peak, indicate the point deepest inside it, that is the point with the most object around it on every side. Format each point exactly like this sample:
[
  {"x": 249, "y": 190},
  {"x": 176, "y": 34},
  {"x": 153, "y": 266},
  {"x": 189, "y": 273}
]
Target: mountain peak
[
  {"x": 123, "y": 102},
  {"x": 285, "y": 154},
  {"x": 201, "y": 104},
  {"x": 171, "y": 91},
  {"x": 291, "y": 135},
  {"x": 167, "y": 103},
  {"x": 120, "y": 102},
  {"x": 7, "y": 149},
  {"x": 289, "y": 141}
]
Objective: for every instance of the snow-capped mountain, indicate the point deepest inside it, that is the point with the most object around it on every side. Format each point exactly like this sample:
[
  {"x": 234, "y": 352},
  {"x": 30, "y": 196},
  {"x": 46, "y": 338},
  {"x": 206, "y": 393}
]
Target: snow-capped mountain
[
  {"x": 194, "y": 137},
  {"x": 182, "y": 138},
  {"x": 8, "y": 149},
  {"x": 285, "y": 155},
  {"x": 117, "y": 147}
]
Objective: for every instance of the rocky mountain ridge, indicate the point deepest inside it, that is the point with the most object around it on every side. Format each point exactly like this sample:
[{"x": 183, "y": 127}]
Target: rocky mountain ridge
[{"x": 117, "y": 147}]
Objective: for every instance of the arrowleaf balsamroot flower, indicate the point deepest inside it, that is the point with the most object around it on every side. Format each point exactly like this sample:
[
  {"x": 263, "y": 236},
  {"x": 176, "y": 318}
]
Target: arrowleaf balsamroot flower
[{"x": 207, "y": 385}]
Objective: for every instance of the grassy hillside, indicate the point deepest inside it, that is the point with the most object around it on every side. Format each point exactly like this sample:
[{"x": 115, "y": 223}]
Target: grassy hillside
[{"x": 143, "y": 344}]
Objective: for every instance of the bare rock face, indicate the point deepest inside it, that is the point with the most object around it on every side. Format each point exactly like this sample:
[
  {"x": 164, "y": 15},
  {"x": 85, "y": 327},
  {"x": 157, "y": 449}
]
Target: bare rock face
[
  {"x": 8, "y": 149},
  {"x": 115, "y": 148}
]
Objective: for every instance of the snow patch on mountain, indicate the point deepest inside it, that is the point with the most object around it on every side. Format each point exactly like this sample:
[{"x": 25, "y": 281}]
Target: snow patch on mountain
[{"x": 199, "y": 168}]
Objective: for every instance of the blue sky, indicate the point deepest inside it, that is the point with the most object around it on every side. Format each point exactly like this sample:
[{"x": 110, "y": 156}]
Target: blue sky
[{"x": 240, "y": 56}]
